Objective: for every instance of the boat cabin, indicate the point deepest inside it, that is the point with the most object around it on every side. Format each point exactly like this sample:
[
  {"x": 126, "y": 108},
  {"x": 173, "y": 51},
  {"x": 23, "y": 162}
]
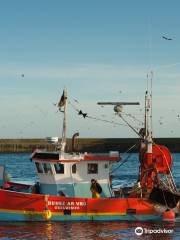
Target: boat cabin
[
  {"x": 70, "y": 175},
  {"x": 64, "y": 174}
]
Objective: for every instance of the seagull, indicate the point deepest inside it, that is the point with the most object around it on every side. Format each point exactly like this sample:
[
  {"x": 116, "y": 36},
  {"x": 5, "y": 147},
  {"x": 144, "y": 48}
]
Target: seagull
[{"x": 166, "y": 38}]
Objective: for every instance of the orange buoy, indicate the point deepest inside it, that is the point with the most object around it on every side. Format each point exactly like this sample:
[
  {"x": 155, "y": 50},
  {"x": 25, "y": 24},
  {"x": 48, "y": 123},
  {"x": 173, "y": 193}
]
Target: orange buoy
[{"x": 169, "y": 215}]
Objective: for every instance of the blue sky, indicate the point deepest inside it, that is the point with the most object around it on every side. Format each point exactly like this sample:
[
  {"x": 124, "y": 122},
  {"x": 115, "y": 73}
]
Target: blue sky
[{"x": 99, "y": 50}]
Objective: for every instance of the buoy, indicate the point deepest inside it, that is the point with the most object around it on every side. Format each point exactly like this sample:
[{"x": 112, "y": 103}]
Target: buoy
[
  {"x": 47, "y": 214},
  {"x": 169, "y": 215}
]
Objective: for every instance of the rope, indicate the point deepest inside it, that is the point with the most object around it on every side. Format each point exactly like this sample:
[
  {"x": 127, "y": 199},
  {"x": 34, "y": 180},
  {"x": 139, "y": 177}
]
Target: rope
[
  {"x": 169, "y": 182},
  {"x": 133, "y": 117},
  {"x": 133, "y": 128},
  {"x": 164, "y": 186},
  {"x": 173, "y": 183}
]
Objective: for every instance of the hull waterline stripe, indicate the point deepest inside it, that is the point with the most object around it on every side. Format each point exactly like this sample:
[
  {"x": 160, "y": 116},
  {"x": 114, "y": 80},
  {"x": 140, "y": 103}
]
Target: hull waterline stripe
[{"x": 62, "y": 213}]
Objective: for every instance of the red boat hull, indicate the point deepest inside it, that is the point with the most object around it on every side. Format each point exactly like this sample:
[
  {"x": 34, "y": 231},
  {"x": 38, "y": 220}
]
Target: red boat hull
[{"x": 36, "y": 207}]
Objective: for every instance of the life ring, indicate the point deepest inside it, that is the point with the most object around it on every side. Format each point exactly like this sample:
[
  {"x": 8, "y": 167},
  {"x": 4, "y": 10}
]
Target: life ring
[{"x": 47, "y": 214}]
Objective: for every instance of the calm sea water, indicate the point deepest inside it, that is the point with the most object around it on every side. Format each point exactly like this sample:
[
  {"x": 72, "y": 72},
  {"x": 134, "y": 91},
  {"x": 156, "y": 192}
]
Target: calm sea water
[{"x": 22, "y": 169}]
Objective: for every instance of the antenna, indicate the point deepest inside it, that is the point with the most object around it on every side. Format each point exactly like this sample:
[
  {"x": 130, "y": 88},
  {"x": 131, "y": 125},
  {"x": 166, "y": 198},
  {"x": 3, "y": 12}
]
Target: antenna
[
  {"x": 118, "y": 107},
  {"x": 118, "y": 103}
]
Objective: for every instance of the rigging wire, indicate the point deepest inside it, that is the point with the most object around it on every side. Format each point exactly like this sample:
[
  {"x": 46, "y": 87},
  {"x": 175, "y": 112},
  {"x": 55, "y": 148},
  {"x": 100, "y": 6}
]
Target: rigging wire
[
  {"x": 133, "y": 128},
  {"x": 115, "y": 123},
  {"x": 126, "y": 159},
  {"x": 133, "y": 117},
  {"x": 94, "y": 118}
]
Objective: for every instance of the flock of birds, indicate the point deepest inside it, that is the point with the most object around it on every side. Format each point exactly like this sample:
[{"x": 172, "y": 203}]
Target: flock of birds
[{"x": 86, "y": 115}]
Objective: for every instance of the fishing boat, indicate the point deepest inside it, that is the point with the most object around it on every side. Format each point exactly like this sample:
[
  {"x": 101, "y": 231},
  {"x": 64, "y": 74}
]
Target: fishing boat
[{"x": 65, "y": 190}]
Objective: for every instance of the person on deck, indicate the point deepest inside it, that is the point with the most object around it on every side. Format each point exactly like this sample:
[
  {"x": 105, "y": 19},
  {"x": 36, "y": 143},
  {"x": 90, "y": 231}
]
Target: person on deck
[{"x": 95, "y": 188}]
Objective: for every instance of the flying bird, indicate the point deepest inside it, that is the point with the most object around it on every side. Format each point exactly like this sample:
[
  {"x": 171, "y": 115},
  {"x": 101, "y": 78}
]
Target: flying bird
[
  {"x": 76, "y": 100},
  {"x": 166, "y": 38},
  {"x": 160, "y": 122},
  {"x": 83, "y": 114}
]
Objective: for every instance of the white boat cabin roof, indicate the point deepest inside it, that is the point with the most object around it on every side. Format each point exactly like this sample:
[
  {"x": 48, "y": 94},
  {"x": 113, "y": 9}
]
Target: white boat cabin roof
[{"x": 44, "y": 156}]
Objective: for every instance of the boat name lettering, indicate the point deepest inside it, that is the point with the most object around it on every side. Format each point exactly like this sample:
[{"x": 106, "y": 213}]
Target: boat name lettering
[
  {"x": 66, "y": 204},
  {"x": 66, "y": 208}
]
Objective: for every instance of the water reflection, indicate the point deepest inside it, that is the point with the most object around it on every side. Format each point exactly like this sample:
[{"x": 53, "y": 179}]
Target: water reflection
[{"x": 86, "y": 230}]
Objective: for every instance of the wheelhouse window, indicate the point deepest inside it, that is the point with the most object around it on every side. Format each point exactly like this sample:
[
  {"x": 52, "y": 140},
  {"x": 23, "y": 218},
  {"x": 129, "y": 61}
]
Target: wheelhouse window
[
  {"x": 92, "y": 168},
  {"x": 74, "y": 168},
  {"x": 59, "y": 168},
  {"x": 47, "y": 168},
  {"x": 39, "y": 167}
]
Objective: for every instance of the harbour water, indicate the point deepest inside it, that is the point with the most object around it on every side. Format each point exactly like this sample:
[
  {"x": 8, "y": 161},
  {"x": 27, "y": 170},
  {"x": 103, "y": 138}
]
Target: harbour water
[{"x": 21, "y": 169}]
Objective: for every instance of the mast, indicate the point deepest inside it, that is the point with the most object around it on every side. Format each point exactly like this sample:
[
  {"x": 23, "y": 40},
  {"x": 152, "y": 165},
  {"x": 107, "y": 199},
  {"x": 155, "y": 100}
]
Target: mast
[
  {"x": 147, "y": 170},
  {"x": 63, "y": 103}
]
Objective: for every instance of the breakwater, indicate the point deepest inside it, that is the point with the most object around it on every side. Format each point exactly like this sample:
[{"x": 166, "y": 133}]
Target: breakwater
[{"x": 83, "y": 144}]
